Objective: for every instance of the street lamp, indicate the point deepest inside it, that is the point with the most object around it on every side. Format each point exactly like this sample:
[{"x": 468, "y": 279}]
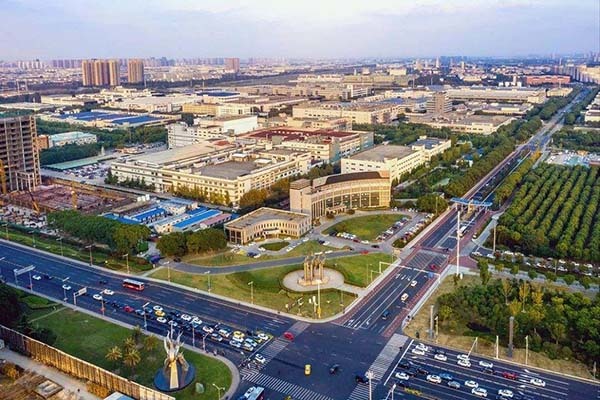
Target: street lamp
[
  {"x": 204, "y": 342},
  {"x": 144, "y": 310},
  {"x": 526, "y": 349},
  {"x": 370, "y": 376},
  {"x": 32, "y": 237},
  {"x": 251, "y": 284},
  {"x": 127, "y": 261},
  {"x": 6, "y": 227},
  {"x": 218, "y": 390},
  {"x": 168, "y": 270},
  {"x": 393, "y": 390},
  {"x": 65, "y": 290},
  {"x": 60, "y": 239},
  {"x": 90, "y": 248},
  {"x": 208, "y": 273},
  {"x": 193, "y": 335}
]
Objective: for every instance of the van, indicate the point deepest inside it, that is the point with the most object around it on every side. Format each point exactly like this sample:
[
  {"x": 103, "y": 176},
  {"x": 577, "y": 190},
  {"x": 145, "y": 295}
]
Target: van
[
  {"x": 404, "y": 297},
  {"x": 385, "y": 315}
]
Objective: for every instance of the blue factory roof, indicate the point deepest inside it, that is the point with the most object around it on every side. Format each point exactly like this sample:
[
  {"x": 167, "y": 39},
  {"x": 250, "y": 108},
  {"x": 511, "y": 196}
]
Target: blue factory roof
[
  {"x": 217, "y": 93},
  {"x": 116, "y": 118},
  {"x": 197, "y": 218},
  {"x": 153, "y": 212},
  {"x": 196, "y": 210},
  {"x": 124, "y": 220}
]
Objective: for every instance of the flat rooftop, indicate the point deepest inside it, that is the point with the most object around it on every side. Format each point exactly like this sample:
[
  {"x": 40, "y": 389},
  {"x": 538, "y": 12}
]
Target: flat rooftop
[
  {"x": 228, "y": 169},
  {"x": 299, "y": 134},
  {"x": 380, "y": 153},
  {"x": 265, "y": 214},
  {"x": 180, "y": 153},
  {"x": 429, "y": 143}
]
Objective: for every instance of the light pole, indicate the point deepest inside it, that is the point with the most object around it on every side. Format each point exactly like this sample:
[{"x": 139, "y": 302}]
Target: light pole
[
  {"x": 526, "y": 349},
  {"x": 458, "y": 243},
  {"x": 393, "y": 390},
  {"x": 60, "y": 239},
  {"x": 102, "y": 304},
  {"x": 144, "y": 310},
  {"x": 370, "y": 376},
  {"x": 30, "y": 282},
  {"x": 218, "y": 390},
  {"x": 204, "y": 342},
  {"x": 6, "y": 228},
  {"x": 208, "y": 274},
  {"x": 90, "y": 248},
  {"x": 32, "y": 237},
  {"x": 251, "y": 284},
  {"x": 168, "y": 270},
  {"x": 127, "y": 261},
  {"x": 437, "y": 331},
  {"x": 319, "y": 300},
  {"x": 193, "y": 335},
  {"x": 65, "y": 290}
]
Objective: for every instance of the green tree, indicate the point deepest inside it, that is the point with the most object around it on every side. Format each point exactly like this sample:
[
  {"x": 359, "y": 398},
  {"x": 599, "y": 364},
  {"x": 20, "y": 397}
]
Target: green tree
[
  {"x": 131, "y": 359},
  {"x": 150, "y": 343},
  {"x": 172, "y": 244},
  {"x": 114, "y": 354},
  {"x": 253, "y": 199},
  {"x": 11, "y": 310}
]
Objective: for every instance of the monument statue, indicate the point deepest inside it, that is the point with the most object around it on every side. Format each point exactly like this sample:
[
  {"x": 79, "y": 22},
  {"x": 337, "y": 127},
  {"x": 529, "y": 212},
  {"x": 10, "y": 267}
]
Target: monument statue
[
  {"x": 314, "y": 273},
  {"x": 176, "y": 373}
]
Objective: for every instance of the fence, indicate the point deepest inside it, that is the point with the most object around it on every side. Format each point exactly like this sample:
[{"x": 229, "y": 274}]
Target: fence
[{"x": 73, "y": 366}]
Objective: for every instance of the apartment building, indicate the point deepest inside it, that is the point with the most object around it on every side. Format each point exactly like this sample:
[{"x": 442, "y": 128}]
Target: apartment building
[
  {"x": 135, "y": 71},
  {"x": 19, "y": 154},
  {"x": 100, "y": 72}
]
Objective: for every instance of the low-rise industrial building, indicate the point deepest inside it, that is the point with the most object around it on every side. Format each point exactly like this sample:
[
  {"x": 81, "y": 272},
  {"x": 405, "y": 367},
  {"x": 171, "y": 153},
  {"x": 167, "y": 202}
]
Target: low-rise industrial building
[
  {"x": 358, "y": 112},
  {"x": 497, "y": 94},
  {"x": 339, "y": 193},
  {"x": 464, "y": 122},
  {"x": 75, "y": 137},
  {"x": 396, "y": 160},
  {"x": 267, "y": 222},
  {"x": 430, "y": 147}
]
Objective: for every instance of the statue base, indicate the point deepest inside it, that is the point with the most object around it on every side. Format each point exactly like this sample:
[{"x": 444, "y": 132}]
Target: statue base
[
  {"x": 162, "y": 378},
  {"x": 313, "y": 282}
]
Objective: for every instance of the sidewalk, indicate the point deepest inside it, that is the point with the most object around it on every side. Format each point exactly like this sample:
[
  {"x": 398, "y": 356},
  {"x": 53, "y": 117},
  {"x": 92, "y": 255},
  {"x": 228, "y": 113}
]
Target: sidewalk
[{"x": 69, "y": 383}]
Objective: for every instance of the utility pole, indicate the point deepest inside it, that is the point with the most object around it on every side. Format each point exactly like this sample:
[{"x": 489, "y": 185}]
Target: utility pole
[
  {"x": 458, "y": 243},
  {"x": 497, "y": 343},
  {"x": 251, "y": 284},
  {"x": 370, "y": 376},
  {"x": 431, "y": 322},
  {"x": 127, "y": 261},
  {"x": 526, "y": 349},
  {"x": 494, "y": 245}
]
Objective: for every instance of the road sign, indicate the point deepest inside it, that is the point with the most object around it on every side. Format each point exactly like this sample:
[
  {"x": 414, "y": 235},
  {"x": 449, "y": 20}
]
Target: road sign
[
  {"x": 82, "y": 291},
  {"x": 23, "y": 270}
]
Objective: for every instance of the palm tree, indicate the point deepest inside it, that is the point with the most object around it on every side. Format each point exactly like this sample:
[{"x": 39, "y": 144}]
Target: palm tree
[
  {"x": 132, "y": 358},
  {"x": 114, "y": 354},
  {"x": 129, "y": 344},
  {"x": 150, "y": 343},
  {"x": 136, "y": 333}
]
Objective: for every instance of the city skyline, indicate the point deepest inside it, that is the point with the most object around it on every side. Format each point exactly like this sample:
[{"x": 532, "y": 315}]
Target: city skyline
[{"x": 332, "y": 29}]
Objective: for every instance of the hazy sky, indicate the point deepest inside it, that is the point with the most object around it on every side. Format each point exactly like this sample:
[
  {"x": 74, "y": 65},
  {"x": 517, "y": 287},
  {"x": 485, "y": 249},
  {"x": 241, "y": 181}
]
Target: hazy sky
[{"x": 295, "y": 28}]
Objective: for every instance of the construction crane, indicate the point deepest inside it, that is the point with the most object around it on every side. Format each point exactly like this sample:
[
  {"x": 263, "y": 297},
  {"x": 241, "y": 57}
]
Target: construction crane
[
  {"x": 34, "y": 203},
  {"x": 3, "y": 178}
]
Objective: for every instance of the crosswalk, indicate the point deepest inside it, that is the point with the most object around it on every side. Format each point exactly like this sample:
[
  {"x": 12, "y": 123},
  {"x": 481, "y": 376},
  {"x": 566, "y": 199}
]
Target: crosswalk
[
  {"x": 287, "y": 388},
  {"x": 269, "y": 352},
  {"x": 379, "y": 367},
  {"x": 298, "y": 327}
]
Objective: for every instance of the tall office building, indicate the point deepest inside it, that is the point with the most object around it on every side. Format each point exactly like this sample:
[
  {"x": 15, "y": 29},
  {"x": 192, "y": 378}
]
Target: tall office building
[
  {"x": 232, "y": 64},
  {"x": 19, "y": 154},
  {"x": 135, "y": 71},
  {"x": 87, "y": 68},
  {"x": 439, "y": 103}
]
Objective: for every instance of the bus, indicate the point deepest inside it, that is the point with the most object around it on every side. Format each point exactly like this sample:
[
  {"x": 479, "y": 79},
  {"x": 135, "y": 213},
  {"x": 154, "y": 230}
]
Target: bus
[
  {"x": 258, "y": 394},
  {"x": 132, "y": 284}
]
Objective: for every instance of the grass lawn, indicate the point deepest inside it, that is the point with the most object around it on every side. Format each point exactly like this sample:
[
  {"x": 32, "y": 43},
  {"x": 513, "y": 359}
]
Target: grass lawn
[
  {"x": 74, "y": 252},
  {"x": 90, "y": 339},
  {"x": 367, "y": 227},
  {"x": 268, "y": 290},
  {"x": 357, "y": 269},
  {"x": 227, "y": 258},
  {"x": 275, "y": 246},
  {"x": 464, "y": 339}
]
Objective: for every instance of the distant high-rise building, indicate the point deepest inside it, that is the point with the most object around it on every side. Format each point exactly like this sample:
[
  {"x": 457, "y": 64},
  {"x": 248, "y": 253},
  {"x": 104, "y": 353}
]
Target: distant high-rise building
[
  {"x": 232, "y": 64},
  {"x": 437, "y": 62},
  {"x": 114, "y": 73},
  {"x": 135, "y": 71},
  {"x": 439, "y": 104},
  {"x": 87, "y": 67},
  {"x": 19, "y": 153}
]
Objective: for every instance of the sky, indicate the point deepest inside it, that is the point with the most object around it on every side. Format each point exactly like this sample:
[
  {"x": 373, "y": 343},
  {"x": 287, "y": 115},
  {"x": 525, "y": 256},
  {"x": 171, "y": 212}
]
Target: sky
[{"x": 47, "y": 29}]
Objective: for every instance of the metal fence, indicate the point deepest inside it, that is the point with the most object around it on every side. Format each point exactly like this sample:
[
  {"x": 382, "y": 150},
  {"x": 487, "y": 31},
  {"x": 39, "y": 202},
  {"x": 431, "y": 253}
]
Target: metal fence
[{"x": 73, "y": 366}]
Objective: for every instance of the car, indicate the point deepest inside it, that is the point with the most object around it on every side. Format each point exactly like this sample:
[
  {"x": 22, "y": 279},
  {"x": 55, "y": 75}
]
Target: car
[
  {"x": 288, "y": 335},
  {"x": 140, "y": 312},
  {"x": 66, "y": 287},
  {"x": 103, "y": 282},
  {"x": 235, "y": 343},
  {"x": 177, "y": 259},
  {"x": 464, "y": 363},
  {"x": 481, "y": 392},
  {"x": 537, "y": 382},
  {"x": 186, "y": 317},
  {"x": 411, "y": 371},
  {"x": 422, "y": 346},
  {"x": 404, "y": 364},
  {"x": 251, "y": 342},
  {"x": 462, "y": 357},
  {"x": 422, "y": 371},
  {"x": 159, "y": 313},
  {"x": 162, "y": 320},
  {"x": 216, "y": 337},
  {"x": 505, "y": 393},
  {"x": 259, "y": 358},
  {"x": 49, "y": 277},
  {"x": 434, "y": 379},
  {"x": 97, "y": 297},
  {"x": 385, "y": 315},
  {"x": 263, "y": 336},
  {"x": 360, "y": 378},
  {"x": 418, "y": 351},
  {"x": 433, "y": 267},
  {"x": 208, "y": 329},
  {"x": 404, "y": 297},
  {"x": 334, "y": 369},
  {"x": 128, "y": 309},
  {"x": 108, "y": 292},
  {"x": 173, "y": 324},
  {"x": 471, "y": 384},
  {"x": 402, "y": 376},
  {"x": 249, "y": 392},
  {"x": 454, "y": 385},
  {"x": 488, "y": 371},
  {"x": 226, "y": 333},
  {"x": 486, "y": 364},
  {"x": 36, "y": 278},
  {"x": 403, "y": 384},
  {"x": 237, "y": 335},
  {"x": 247, "y": 347},
  {"x": 441, "y": 357},
  {"x": 446, "y": 376},
  {"x": 413, "y": 283},
  {"x": 509, "y": 375}
]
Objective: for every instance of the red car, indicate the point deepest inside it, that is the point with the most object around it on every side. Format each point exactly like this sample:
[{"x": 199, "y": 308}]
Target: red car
[
  {"x": 509, "y": 375},
  {"x": 128, "y": 309},
  {"x": 433, "y": 267},
  {"x": 289, "y": 336},
  {"x": 363, "y": 252}
]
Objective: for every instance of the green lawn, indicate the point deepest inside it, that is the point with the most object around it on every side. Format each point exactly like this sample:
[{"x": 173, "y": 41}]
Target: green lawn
[
  {"x": 90, "y": 338},
  {"x": 367, "y": 227},
  {"x": 360, "y": 270},
  {"x": 71, "y": 251},
  {"x": 268, "y": 290},
  {"x": 275, "y": 246},
  {"x": 227, "y": 258}
]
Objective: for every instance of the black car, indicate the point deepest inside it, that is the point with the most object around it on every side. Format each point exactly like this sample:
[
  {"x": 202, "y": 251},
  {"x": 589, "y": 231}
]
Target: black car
[
  {"x": 334, "y": 369},
  {"x": 439, "y": 351},
  {"x": 402, "y": 383},
  {"x": 411, "y": 371},
  {"x": 360, "y": 378},
  {"x": 488, "y": 371},
  {"x": 422, "y": 371},
  {"x": 405, "y": 364},
  {"x": 177, "y": 259},
  {"x": 103, "y": 282},
  {"x": 46, "y": 276}
]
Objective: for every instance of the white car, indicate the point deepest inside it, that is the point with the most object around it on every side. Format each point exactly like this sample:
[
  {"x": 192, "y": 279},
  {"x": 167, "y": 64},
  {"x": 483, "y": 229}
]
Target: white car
[
  {"x": 486, "y": 364},
  {"x": 186, "y": 317},
  {"x": 157, "y": 308},
  {"x": 481, "y": 392},
  {"x": 208, "y": 329},
  {"x": 260, "y": 358},
  {"x": 441, "y": 357},
  {"x": 418, "y": 351},
  {"x": 505, "y": 393},
  {"x": 173, "y": 324},
  {"x": 196, "y": 321},
  {"x": 422, "y": 347},
  {"x": 249, "y": 392},
  {"x": 108, "y": 292},
  {"x": 471, "y": 384},
  {"x": 537, "y": 382},
  {"x": 462, "y": 357},
  {"x": 263, "y": 336},
  {"x": 162, "y": 320},
  {"x": 36, "y": 278},
  {"x": 434, "y": 379},
  {"x": 413, "y": 283},
  {"x": 464, "y": 363},
  {"x": 402, "y": 375},
  {"x": 97, "y": 297},
  {"x": 66, "y": 287}
]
